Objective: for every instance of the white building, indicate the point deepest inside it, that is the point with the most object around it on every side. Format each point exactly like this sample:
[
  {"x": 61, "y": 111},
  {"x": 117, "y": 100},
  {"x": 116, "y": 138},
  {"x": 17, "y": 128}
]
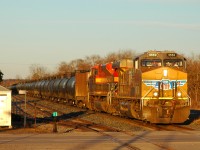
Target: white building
[{"x": 5, "y": 107}]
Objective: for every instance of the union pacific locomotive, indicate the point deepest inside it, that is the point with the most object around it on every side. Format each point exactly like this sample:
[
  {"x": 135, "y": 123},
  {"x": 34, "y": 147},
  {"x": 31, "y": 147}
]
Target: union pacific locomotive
[{"x": 152, "y": 87}]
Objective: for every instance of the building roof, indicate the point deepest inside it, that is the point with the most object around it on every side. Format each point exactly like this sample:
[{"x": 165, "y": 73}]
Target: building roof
[{"x": 3, "y": 88}]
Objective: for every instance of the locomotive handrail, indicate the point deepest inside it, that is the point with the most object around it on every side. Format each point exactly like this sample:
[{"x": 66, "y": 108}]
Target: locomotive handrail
[
  {"x": 109, "y": 94},
  {"x": 189, "y": 98},
  {"x": 142, "y": 103},
  {"x": 109, "y": 97}
]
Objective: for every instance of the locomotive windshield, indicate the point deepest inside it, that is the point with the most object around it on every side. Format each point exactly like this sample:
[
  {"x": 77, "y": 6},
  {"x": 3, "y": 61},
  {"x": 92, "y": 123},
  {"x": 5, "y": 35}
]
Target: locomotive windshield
[
  {"x": 173, "y": 62},
  {"x": 158, "y": 63},
  {"x": 151, "y": 62}
]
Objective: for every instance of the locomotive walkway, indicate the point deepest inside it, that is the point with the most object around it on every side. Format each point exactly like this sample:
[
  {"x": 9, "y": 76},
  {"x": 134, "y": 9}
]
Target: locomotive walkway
[{"x": 143, "y": 140}]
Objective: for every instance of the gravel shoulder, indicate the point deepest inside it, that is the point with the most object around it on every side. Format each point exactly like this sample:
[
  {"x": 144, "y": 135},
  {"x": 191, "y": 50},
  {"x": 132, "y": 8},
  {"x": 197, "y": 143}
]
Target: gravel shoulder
[{"x": 70, "y": 112}]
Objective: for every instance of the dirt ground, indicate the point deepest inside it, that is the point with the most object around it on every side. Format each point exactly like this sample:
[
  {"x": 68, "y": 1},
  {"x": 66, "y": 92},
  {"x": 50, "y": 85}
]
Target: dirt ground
[
  {"x": 51, "y": 127},
  {"x": 39, "y": 128}
]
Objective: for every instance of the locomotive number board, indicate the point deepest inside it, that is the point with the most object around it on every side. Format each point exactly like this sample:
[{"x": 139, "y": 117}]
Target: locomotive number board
[
  {"x": 152, "y": 54},
  {"x": 171, "y": 54}
]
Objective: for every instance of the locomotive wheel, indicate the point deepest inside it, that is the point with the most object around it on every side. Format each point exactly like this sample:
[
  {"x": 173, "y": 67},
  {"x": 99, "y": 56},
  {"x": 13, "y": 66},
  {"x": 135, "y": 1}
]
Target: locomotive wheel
[
  {"x": 70, "y": 102},
  {"x": 80, "y": 104}
]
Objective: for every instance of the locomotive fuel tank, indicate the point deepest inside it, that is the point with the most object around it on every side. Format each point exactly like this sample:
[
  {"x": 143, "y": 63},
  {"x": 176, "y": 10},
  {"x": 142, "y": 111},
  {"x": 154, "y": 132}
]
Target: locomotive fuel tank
[
  {"x": 129, "y": 109},
  {"x": 101, "y": 106}
]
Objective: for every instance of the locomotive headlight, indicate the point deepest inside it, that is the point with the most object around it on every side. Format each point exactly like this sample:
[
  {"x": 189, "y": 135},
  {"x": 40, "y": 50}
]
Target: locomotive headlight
[
  {"x": 155, "y": 94},
  {"x": 179, "y": 94},
  {"x": 165, "y": 73}
]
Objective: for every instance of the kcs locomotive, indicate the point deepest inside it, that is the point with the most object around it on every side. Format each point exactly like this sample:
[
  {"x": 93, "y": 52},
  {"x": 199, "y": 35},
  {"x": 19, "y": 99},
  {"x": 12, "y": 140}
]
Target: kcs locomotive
[{"x": 152, "y": 87}]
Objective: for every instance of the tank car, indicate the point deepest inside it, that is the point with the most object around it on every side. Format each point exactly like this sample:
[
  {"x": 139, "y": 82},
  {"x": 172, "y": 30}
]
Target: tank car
[{"x": 72, "y": 88}]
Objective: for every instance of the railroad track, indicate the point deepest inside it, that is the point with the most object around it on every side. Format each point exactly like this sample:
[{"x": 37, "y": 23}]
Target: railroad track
[
  {"x": 47, "y": 109},
  {"x": 174, "y": 127},
  {"x": 86, "y": 126},
  {"x": 30, "y": 107},
  {"x": 107, "y": 132}
]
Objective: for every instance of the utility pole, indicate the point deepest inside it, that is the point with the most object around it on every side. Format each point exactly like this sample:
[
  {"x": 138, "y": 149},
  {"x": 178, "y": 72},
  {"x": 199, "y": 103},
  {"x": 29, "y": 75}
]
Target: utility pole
[
  {"x": 23, "y": 92},
  {"x": 35, "y": 112}
]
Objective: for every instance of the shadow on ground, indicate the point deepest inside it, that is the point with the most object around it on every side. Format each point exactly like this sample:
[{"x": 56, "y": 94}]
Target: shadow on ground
[
  {"x": 194, "y": 115},
  {"x": 18, "y": 120}
]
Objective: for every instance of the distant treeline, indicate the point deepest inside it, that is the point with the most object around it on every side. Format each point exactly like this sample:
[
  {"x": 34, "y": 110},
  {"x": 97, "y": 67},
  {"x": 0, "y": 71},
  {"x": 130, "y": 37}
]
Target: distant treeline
[{"x": 193, "y": 69}]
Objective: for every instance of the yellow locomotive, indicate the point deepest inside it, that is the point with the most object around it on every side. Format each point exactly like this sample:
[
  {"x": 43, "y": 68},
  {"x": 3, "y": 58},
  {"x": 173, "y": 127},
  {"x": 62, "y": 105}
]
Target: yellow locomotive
[{"x": 163, "y": 85}]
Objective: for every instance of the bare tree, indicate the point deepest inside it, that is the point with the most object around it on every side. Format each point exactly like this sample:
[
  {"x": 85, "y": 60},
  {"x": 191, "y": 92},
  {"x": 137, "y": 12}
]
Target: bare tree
[
  {"x": 82, "y": 65},
  {"x": 122, "y": 54},
  {"x": 89, "y": 61},
  {"x": 78, "y": 64},
  {"x": 193, "y": 69},
  {"x": 111, "y": 57},
  {"x": 94, "y": 59},
  {"x": 63, "y": 68},
  {"x": 129, "y": 54},
  {"x": 37, "y": 72}
]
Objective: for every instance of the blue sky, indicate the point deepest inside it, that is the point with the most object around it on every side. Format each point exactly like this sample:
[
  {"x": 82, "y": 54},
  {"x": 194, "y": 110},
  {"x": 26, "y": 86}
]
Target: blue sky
[{"x": 47, "y": 32}]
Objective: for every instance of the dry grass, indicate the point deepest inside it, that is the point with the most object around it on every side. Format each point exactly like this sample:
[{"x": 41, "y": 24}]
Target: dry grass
[{"x": 40, "y": 128}]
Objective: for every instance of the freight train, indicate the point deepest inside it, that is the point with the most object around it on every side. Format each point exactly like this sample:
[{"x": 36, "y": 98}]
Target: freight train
[{"x": 152, "y": 87}]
